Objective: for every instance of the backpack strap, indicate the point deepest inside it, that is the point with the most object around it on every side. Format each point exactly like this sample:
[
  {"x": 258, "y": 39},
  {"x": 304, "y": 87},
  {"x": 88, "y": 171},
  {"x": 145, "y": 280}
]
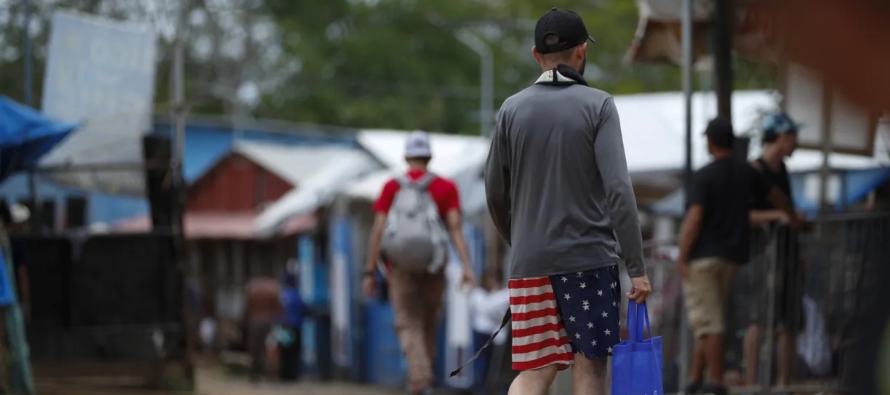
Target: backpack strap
[
  {"x": 404, "y": 181},
  {"x": 421, "y": 183},
  {"x": 425, "y": 181}
]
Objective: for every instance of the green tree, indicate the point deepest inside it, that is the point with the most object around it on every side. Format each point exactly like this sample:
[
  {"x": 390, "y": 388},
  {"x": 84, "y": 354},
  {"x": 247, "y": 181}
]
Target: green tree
[
  {"x": 360, "y": 63},
  {"x": 385, "y": 63}
]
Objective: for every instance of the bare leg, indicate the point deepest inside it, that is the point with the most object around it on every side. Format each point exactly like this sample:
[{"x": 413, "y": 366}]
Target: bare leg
[
  {"x": 713, "y": 344},
  {"x": 697, "y": 369},
  {"x": 589, "y": 376},
  {"x": 785, "y": 357},
  {"x": 534, "y": 382},
  {"x": 751, "y": 353}
]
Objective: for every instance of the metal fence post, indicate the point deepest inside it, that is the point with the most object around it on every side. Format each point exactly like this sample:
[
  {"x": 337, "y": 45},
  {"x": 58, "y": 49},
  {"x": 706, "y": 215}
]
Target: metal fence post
[
  {"x": 685, "y": 349},
  {"x": 766, "y": 354}
]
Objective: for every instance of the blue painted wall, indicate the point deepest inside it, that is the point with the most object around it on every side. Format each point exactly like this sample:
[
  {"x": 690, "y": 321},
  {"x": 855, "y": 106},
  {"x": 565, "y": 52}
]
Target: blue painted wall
[
  {"x": 101, "y": 207},
  {"x": 344, "y": 314},
  {"x": 315, "y": 289}
]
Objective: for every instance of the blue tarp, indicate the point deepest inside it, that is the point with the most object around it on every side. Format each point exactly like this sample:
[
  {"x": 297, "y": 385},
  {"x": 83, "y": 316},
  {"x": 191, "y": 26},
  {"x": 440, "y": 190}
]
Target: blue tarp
[
  {"x": 25, "y": 136},
  {"x": 855, "y": 186}
]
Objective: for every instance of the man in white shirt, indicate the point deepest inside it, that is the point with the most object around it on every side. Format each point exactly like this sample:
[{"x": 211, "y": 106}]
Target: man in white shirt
[{"x": 488, "y": 304}]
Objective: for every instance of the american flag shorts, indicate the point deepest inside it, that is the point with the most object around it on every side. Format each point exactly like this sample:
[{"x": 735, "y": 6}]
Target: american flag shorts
[{"x": 555, "y": 317}]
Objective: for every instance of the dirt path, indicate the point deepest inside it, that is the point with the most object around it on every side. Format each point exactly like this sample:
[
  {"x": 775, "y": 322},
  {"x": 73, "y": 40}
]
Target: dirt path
[
  {"x": 211, "y": 381},
  {"x": 215, "y": 383}
]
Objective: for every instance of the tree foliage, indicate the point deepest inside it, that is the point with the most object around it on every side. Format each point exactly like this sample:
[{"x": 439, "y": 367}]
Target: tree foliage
[{"x": 360, "y": 63}]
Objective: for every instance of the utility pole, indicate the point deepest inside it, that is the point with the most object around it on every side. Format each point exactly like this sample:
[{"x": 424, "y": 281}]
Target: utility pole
[
  {"x": 36, "y": 212},
  {"x": 486, "y": 79},
  {"x": 486, "y": 70},
  {"x": 29, "y": 94},
  {"x": 688, "y": 89},
  {"x": 723, "y": 27},
  {"x": 688, "y": 86},
  {"x": 178, "y": 188}
]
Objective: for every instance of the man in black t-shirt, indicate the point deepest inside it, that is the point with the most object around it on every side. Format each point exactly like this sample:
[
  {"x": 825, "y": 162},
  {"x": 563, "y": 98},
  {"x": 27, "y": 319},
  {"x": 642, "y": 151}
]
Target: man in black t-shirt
[
  {"x": 714, "y": 240},
  {"x": 779, "y": 142}
]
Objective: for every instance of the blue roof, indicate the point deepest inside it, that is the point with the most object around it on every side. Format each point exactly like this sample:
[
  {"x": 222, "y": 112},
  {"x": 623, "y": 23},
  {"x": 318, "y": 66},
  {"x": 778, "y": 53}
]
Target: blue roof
[
  {"x": 207, "y": 144},
  {"x": 857, "y": 184},
  {"x": 101, "y": 207}
]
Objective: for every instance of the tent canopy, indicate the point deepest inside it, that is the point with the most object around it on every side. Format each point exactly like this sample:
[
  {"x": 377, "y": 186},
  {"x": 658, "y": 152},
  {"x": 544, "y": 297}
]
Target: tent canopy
[
  {"x": 26, "y": 135},
  {"x": 848, "y": 186}
]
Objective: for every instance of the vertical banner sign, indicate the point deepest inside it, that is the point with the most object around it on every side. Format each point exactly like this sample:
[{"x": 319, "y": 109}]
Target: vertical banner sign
[
  {"x": 306, "y": 252},
  {"x": 341, "y": 294},
  {"x": 458, "y": 332},
  {"x": 100, "y": 73}
]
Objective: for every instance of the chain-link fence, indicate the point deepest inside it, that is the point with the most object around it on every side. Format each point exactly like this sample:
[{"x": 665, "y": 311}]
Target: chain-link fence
[
  {"x": 803, "y": 288},
  {"x": 102, "y": 302}
]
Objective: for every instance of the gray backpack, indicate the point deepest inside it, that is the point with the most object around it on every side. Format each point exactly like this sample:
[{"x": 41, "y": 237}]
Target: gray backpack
[{"x": 415, "y": 238}]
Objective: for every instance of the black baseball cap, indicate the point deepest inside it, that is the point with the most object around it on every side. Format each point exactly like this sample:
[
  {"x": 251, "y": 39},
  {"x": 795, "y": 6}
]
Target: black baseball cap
[
  {"x": 559, "y": 30},
  {"x": 719, "y": 132}
]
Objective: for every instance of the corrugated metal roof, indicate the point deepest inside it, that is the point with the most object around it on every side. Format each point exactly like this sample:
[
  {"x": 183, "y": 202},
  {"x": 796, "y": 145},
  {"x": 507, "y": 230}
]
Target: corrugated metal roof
[
  {"x": 295, "y": 164},
  {"x": 388, "y": 146},
  {"x": 361, "y": 173},
  {"x": 207, "y": 142},
  {"x": 458, "y": 157},
  {"x": 317, "y": 190}
]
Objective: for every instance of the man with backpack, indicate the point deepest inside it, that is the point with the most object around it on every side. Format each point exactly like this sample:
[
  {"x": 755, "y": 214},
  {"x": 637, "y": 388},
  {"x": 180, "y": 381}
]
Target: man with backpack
[{"x": 416, "y": 214}]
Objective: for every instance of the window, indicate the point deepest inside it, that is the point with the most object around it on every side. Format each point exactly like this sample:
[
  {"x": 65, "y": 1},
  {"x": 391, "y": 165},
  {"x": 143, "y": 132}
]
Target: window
[
  {"x": 48, "y": 215},
  {"x": 75, "y": 212},
  {"x": 46, "y": 221}
]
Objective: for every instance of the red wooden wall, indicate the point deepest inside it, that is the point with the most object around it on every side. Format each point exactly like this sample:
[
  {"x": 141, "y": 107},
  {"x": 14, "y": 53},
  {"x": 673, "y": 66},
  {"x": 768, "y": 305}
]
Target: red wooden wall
[{"x": 235, "y": 184}]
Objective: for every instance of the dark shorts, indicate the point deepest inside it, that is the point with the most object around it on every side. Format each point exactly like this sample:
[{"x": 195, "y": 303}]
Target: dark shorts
[
  {"x": 555, "y": 317},
  {"x": 788, "y": 302}
]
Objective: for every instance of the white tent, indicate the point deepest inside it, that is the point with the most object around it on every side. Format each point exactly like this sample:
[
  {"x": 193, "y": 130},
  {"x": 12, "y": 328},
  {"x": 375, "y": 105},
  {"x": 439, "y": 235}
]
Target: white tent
[
  {"x": 361, "y": 173},
  {"x": 654, "y": 136},
  {"x": 457, "y": 157},
  {"x": 653, "y": 132},
  {"x": 331, "y": 170},
  {"x": 654, "y": 141}
]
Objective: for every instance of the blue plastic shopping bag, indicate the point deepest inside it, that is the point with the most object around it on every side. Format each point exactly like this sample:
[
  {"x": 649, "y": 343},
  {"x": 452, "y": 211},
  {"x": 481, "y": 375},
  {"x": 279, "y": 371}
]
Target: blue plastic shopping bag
[
  {"x": 7, "y": 292},
  {"x": 636, "y": 363}
]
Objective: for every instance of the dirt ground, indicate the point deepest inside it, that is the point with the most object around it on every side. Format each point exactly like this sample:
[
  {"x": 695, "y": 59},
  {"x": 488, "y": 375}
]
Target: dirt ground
[{"x": 212, "y": 381}]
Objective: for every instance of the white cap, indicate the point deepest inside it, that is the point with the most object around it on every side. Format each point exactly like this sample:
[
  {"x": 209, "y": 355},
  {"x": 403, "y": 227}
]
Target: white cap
[
  {"x": 418, "y": 145},
  {"x": 19, "y": 213}
]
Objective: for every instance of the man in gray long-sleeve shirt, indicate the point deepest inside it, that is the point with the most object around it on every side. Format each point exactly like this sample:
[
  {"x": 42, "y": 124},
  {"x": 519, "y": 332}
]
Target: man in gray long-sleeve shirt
[{"x": 559, "y": 193}]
